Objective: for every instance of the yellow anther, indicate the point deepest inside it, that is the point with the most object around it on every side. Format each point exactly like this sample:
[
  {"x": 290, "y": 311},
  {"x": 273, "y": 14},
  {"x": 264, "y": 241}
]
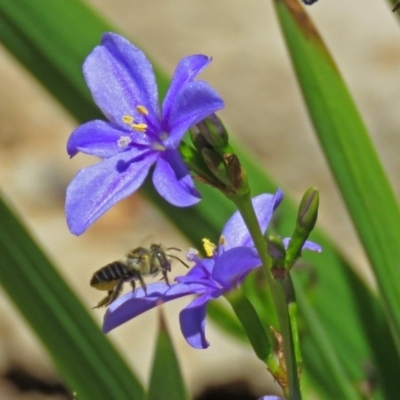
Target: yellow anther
[
  {"x": 129, "y": 120},
  {"x": 222, "y": 241},
  {"x": 209, "y": 247},
  {"x": 142, "y": 110},
  {"x": 140, "y": 127}
]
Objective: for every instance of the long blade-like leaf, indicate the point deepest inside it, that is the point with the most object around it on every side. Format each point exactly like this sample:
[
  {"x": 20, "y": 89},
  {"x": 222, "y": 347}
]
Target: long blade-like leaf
[
  {"x": 166, "y": 381},
  {"x": 86, "y": 359},
  {"x": 350, "y": 153}
]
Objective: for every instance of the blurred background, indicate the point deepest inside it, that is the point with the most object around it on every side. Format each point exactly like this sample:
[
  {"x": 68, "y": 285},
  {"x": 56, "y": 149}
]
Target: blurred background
[{"x": 264, "y": 112}]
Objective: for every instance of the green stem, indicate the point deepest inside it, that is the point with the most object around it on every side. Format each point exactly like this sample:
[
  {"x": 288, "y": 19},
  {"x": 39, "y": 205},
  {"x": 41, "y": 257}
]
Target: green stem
[
  {"x": 260, "y": 339},
  {"x": 245, "y": 207}
]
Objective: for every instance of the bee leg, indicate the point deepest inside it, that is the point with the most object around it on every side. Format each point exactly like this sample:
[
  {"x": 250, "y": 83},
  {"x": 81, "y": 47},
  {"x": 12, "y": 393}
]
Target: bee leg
[
  {"x": 142, "y": 284},
  {"x": 106, "y": 300},
  {"x": 165, "y": 276},
  {"x": 117, "y": 290},
  {"x": 112, "y": 295},
  {"x": 133, "y": 284}
]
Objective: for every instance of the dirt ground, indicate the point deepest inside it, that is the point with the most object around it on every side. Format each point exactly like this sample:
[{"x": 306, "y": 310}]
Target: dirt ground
[{"x": 264, "y": 111}]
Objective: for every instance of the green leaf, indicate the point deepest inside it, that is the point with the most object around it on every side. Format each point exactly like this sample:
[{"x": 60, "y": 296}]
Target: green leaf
[
  {"x": 225, "y": 319},
  {"x": 87, "y": 361},
  {"x": 260, "y": 339},
  {"x": 166, "y": 381},
  {"x": 352, "y": 158}
]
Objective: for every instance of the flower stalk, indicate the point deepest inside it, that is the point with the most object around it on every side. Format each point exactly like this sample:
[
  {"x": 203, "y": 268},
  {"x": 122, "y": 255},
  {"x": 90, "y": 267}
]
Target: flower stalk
[{"x": 245, "y": 207}]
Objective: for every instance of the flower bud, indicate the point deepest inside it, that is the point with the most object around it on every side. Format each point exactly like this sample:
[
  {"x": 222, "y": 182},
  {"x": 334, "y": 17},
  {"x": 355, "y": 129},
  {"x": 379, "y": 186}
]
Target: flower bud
[
  {"x": 237, "y": 175},
  {"x": 306, "y": 219},
  {"x": 198, "y": 140},
  {"x": 213, "y": 131},
  {"x": 216, "y": 165},
  {"x": 308, "y": 211},
  {"x": 211, "y": 140}
]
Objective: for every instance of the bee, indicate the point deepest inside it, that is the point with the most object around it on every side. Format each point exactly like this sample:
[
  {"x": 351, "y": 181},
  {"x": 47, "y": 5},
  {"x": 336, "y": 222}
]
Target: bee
[{"x": 133, "y": 267}]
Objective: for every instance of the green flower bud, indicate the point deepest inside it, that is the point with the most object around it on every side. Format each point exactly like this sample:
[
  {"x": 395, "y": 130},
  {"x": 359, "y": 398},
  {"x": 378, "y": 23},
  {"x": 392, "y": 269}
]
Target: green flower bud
[
  {"x": 306, "y": 219},
  {"x": 213, "y": 131},
  {"x": 198, "y": 140},
  {"x": 216, "y": 165},
  {"x": 308, "y": 211}
]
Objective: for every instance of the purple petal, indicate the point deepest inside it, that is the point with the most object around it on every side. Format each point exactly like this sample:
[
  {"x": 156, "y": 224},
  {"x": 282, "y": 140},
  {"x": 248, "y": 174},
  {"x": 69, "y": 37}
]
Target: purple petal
[
  {"x": 134, "y": 303},
  {"x": 96, "y": 188},
  {"x": 199, "y": 272},
  {"x": 120, "y": 78},
  {"x": 194, "y": 103},
  {"x": 186, "y": 71},
  {"x": 235, "y": 231},
  {"x": 232, "y": 266},
  {"x": 270, "y": 398},
  {"x": 193, "y": 321},
  {"x": 308, "y": 245},
  {"x": 97, "y": 138},
  {"x": 184, "y": 289},
  {"x": 172, "y": 180}
]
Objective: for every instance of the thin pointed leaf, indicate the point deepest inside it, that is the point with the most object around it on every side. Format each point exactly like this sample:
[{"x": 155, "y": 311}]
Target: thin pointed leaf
[
  {"x": 166, "y": 381},
  {"x": 259, "y": 337},
  {"x": 352, "y": 158},
  {"x": 85, "y": 358}
]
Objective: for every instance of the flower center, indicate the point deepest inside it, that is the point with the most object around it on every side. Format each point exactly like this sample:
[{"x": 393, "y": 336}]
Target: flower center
[
  {"x": 129, "y": 120},
  {"x": 139, "y": 124},
  {"x": 158, "y": 146}
]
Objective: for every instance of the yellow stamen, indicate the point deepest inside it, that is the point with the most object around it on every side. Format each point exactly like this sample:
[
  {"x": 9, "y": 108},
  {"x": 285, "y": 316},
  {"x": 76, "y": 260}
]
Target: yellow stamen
[
  {"x": 142, "y": 110},
  {"x": 222, "y": 241},
  {"x": 140, "y": 127},
  {"x": 209, "y": 247},
  {"x": 128, "y": 119}
]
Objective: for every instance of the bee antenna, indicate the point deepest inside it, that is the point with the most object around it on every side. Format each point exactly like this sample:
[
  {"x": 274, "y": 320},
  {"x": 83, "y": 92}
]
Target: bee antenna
[
  {"x": 177, "y": 258},
  {"x": 174, "y": 248}
]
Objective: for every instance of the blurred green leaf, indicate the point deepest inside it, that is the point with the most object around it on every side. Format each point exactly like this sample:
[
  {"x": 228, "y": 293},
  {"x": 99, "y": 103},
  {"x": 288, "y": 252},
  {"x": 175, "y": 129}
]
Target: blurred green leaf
[
  {"x": 331, "y": 287},
  {"x": 351, "y": 155},
  {"x": 87, "y": 361},
  {"x": 166, "y": 381},
  {"x": 257, "y": 333},
  {"x": 225, "y": 319}
]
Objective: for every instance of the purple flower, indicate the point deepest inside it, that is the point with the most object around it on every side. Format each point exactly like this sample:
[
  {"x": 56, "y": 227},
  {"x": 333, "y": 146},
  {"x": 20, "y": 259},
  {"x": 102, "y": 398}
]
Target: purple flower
[
  {"x": 270, "y": 398},
  {"x": 209, "y": 278},
  {"x": 138, "y": 134}
]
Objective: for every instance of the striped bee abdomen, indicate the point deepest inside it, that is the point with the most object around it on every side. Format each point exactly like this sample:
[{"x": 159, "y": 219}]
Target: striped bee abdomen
[{"x": 107, "y": 277}]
